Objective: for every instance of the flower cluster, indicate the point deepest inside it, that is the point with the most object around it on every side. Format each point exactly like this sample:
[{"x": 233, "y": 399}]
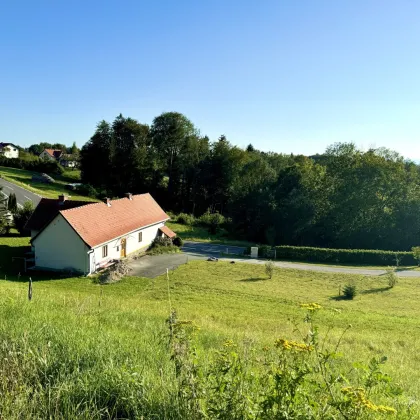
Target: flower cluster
[
  {"x": 292, "y": 345},
  {"x": 310, "y": 306},
  {"x": 358, "y": 396},
  {"x": 229, "y": 343}
]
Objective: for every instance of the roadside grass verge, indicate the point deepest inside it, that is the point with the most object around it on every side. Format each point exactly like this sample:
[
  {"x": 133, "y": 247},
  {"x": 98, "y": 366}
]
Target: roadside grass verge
[
  {"x": 23, "y": 178},
  {"x": 80, "y": 349}
]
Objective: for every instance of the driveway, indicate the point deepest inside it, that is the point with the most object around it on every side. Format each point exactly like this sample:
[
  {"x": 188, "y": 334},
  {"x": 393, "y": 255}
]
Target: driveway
[
  {"x": 151, "y": 266},
  {"x": 22, "y": 195}
]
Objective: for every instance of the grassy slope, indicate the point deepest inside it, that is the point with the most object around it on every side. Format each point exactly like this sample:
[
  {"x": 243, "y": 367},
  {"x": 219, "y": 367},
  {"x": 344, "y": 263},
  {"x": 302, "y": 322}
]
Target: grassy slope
[
  {"x": 24, "y": 179},
  {"x": 201, "y": 234},
  {"x": 226, "y": 301}
]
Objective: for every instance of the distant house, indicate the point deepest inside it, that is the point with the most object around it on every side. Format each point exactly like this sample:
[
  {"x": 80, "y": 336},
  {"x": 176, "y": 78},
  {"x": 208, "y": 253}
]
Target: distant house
[
  {"x": 68, "y": 161},
  {"x": 88, "y": 237},
  {"x": 51, "y": 154},
  {"x": 9, "y": 150}
]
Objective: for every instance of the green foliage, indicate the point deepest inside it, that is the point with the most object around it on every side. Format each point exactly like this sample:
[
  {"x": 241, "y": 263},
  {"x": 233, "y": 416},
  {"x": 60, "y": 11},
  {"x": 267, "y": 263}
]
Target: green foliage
[
  {"x": 269, "y": 269},
  {"x": 159, "y": 249},
  {"x": 213, "y": 220},
  {"x": 290, "y": 379},
  {"x": 391, "y": 278},
  {"x": 185, "y": 219},
  {"x": 416, "y": 252},
  {"x": 350, "y": 291},
  {"x": 344, "y": 256},
  {"x": 87, "y": 190},
  {"x": 34, "y": 164},
  {"x": 264, "y": 251},
  {"x": 4, "y": 226},
  {"x": 177, "y": 241},
  {"x": 22, "y": 215},
  {"x": 12, "y": 203}
]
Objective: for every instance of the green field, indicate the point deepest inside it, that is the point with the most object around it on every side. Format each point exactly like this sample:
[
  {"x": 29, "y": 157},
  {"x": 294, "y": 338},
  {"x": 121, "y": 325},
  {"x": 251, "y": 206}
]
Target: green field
[
  {"x": 23, "y": 178},
  {"x": 80, "y": 349}
]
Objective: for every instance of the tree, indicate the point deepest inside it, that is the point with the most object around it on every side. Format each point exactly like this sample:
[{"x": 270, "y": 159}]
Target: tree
[
  {"x": 22, "y": 215},
  {"x": 12, "y": 203}
]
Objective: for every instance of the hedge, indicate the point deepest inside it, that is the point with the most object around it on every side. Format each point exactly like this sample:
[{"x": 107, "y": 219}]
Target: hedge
[
  {"x": 344, "y": 256},
  {"x": 35, "y": 164}
]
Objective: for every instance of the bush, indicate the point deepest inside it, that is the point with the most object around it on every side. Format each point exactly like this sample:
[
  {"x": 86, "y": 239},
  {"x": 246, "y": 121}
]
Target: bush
[
  {"x": 213, "y": 220},
  {"x": 416, "y": 252},
  {"x": 350, "y": 291},
  {"x": 87, "y": 190},
  {"x": 34, "y": 164},
  {"x": 161, "y": 241},
  {"x": 391, "y": 277},
  {"x": 158, "y": 250},
  {"x": 22, "y": 215},
  {"x": 185, "y": 219},
  {"x": 344, "y": 256},
  {"x": 177, "y": 241},
  {"x": 264, "y": 251},
  {"x": 269, "y": 269}
]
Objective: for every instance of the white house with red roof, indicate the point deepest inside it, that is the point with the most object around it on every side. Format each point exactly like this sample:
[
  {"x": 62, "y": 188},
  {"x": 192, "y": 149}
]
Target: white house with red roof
[{"x": 89, "y": 237}]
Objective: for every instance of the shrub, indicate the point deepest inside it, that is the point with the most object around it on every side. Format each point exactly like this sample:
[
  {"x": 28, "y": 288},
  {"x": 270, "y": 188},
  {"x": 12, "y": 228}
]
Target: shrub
[
  {"x": 161, "y": 241},
  {"x": 269, "y": 269},
  {"x": 391, "y": 277},
  {"x": 185, "y": 219},
  {"x": 158, "y": 250},
  {"x": 12, "y": 203},
  {"x": 416, "y": 253},
  {"x": 177, "y": 241},
  {"x": 34, "y": 164},
  {"x": 87, "y": 190},
  {"x": 213, "y": 220},
  {"x": 344, "y": 256},
  {"x": 22, "y": 215},
  {"x": 350, "y": 291},
  {"x": 264, "y": 251}
]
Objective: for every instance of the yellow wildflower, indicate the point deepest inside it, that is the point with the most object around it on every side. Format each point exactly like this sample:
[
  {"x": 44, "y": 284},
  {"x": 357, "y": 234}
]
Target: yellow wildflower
[
  {"x": 229, "y": 343},
  {"x": 358, "y": 396},
  {"x": 292, "y": 345},
  {"x": 310, "y": 306}
]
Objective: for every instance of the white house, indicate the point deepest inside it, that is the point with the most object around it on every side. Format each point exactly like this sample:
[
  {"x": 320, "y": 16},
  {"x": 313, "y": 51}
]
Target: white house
[
  {"x": 51, "y": 154},
  {"x": 9, "y": 150},
  {"x": 90, "y": 236}
]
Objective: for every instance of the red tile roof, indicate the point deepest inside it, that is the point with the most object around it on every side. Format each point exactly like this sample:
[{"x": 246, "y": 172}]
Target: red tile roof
[
  {"x": 55, "y": 153},
  {"x": 98, "y": 223},
  {"x": 168, "y": 232},
  {"x": 47, "y": 209}
]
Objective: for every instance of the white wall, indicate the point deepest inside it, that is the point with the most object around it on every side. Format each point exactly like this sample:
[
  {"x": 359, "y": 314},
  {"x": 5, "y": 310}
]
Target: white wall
[
  {"x": 114, "y": 246},
  {"x": 10, "y": 152},
  {"x": 58, "y": 247},
  {"x": 45, "y": 155}
]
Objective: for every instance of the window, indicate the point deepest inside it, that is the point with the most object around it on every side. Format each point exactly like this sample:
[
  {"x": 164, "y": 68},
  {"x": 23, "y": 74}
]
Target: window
[
  {"x": 104, "y": 251},
  {"x": 140, "y": 236},
  {"x": 118, "y": 248}
]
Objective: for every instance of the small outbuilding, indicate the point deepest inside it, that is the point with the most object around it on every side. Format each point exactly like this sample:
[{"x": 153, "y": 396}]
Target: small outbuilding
[{"x": 88, "y": 237}]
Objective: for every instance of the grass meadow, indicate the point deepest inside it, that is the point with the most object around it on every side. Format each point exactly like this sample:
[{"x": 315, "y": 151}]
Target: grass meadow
[
  {"x": 23, "y": 178},
  {"x": 83, "y": 350}
]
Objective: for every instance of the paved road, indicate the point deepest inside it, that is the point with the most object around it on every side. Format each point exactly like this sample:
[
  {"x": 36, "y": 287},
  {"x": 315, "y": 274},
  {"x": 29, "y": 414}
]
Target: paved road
[
  {"x": 153, "y": 266},
  {"x": 213, "y": 250},
  {"x": 22, "y": 195}
]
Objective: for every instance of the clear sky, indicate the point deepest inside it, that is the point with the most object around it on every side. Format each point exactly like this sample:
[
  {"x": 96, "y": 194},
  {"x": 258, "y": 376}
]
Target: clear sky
[{"x": 284, "y": 75}]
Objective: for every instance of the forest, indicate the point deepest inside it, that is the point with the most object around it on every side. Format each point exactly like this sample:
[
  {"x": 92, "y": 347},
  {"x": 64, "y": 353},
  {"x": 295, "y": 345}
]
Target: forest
[{"x": 342, "y": 198}]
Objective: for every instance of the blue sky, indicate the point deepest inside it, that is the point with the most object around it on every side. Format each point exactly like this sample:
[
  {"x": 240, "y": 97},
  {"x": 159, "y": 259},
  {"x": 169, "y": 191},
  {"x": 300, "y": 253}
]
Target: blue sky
[{"x": 284, "y": 75}]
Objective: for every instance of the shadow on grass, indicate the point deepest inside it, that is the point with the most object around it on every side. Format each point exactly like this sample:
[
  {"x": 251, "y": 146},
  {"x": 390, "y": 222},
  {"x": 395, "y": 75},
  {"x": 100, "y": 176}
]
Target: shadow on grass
[
  {"x": 375, "y": 290},
  {"x": 254, "y": 279}
]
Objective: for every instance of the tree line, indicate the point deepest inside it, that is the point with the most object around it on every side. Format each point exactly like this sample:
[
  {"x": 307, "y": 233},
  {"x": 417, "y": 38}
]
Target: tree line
[{"x": 343, "y": 198}]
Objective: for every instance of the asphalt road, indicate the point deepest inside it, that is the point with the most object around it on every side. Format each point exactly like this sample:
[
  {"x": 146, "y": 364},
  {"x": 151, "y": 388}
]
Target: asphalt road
[
  {"x": 153, "y": 266},
  {"x": 211, "y": 250},
  {"x": 22, "y": 195}
]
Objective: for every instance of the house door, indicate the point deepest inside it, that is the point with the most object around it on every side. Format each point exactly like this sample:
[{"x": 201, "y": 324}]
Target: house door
[{"x": 123, "y": 247}]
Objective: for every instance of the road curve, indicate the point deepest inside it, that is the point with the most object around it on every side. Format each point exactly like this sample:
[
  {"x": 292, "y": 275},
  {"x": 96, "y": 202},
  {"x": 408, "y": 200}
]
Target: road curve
[{"x": 22, "y": 195}]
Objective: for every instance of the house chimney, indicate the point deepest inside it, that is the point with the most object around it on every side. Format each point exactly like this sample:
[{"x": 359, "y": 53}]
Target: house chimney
[
  {"x": 61, "y": 198},
  {"x": 129, "y": 196},
  {"x": 107, "y": 201}
]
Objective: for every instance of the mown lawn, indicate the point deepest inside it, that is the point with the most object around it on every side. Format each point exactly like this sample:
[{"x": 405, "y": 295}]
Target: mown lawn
[
  {"x": 90, "y": 339},
  {"x": 23, "y": 178}
]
